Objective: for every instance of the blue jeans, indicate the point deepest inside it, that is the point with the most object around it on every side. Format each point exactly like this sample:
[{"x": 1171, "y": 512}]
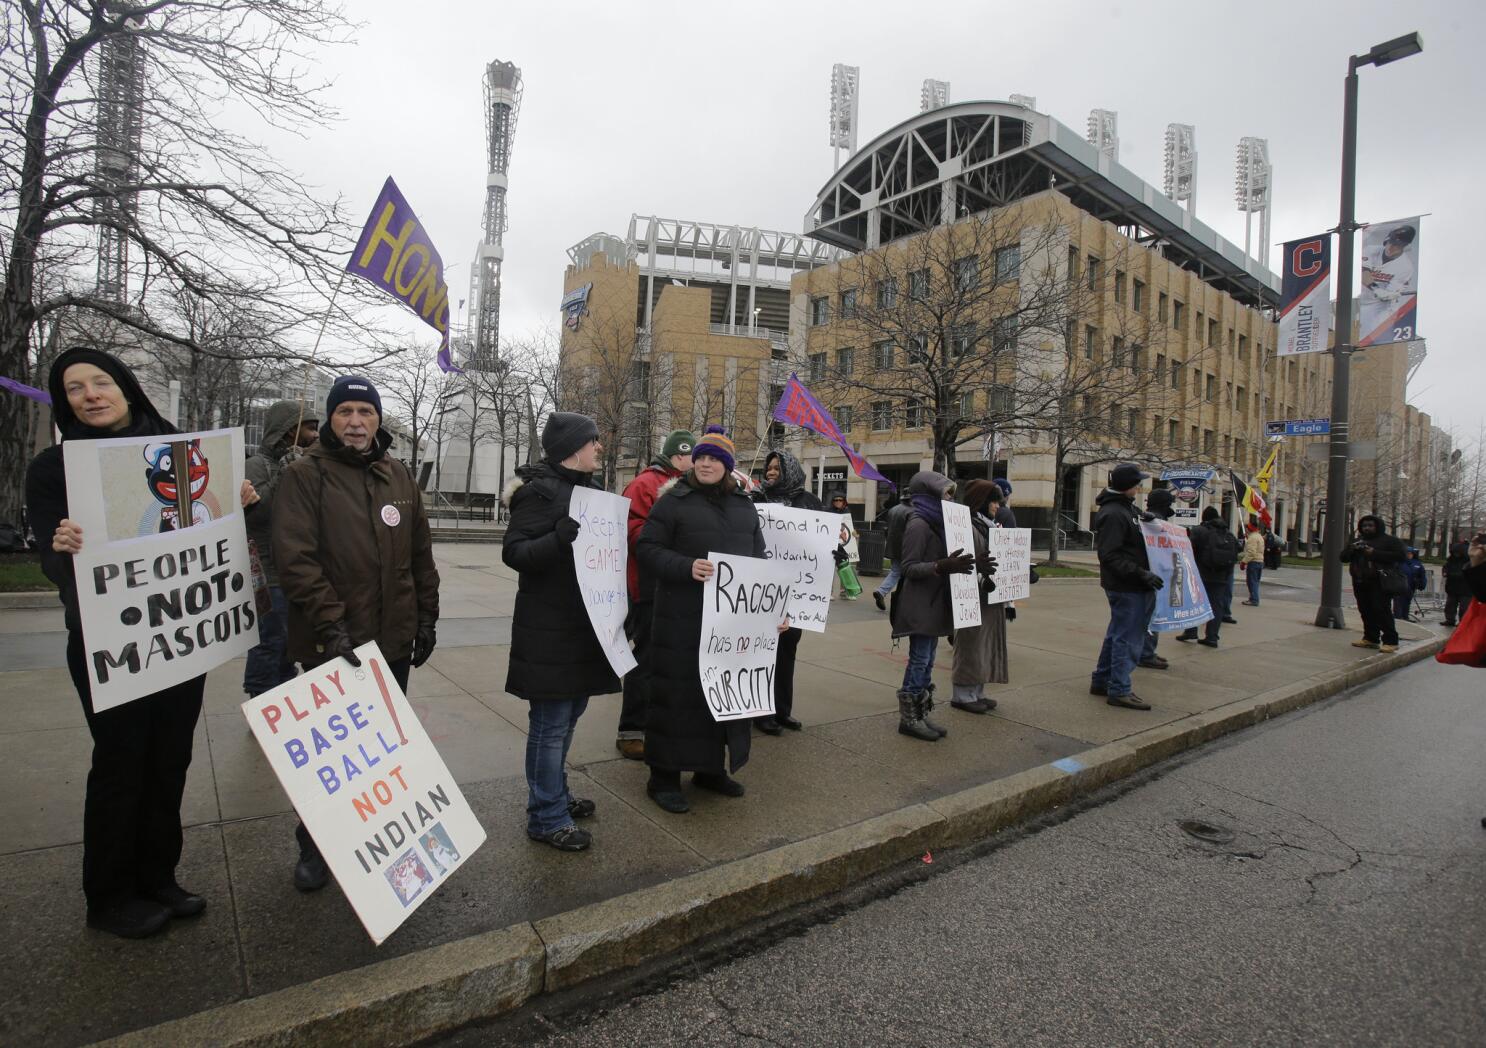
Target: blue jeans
[
  {"x": 1220, "y": 596},
  {"x": 268, "y": 660},
  {"x": 1252, "y": 571},
  {"x": 1128, "y": 615},
  {"x": 549, "y": 736},
  {"x": 1148, "y": 645},
  {"x": 920, "y": 669},
  {"x": 893, "y": 575}
]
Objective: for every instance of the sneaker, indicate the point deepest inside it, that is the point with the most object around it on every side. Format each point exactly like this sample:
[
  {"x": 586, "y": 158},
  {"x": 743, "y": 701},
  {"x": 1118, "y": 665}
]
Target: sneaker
[
  {"x": 1129, "y": 702},
  {"x": 1387, "y": 648},
  {"x": 580, "y": 808},
  {"x": 1098, "y": 689},
  {"x": 565, "y": 838},
  {"x": 1364, "y": 643},
  {"x": 1206, "y": 643},
  {"x": 1156, "y": 662},
  {"x": 719, "y": 783},
  {"x": 877, "y": 599},
  {"x": 631, "y": 749},
  {"x": 177, "y": 900},
  {"x": 130, "y": 919}
]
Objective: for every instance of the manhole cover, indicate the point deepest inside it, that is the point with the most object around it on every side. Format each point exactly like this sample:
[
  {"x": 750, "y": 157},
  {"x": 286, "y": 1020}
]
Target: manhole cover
[{"x": 1203, "y": 830}]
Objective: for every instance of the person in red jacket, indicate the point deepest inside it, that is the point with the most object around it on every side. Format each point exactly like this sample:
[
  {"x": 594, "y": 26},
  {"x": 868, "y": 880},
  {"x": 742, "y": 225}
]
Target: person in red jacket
[{"x": 674, "y": 459}]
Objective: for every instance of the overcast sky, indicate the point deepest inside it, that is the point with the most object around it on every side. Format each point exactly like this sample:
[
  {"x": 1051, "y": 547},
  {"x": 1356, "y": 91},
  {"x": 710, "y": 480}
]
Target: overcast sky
[{"x": 717, "y": 112}]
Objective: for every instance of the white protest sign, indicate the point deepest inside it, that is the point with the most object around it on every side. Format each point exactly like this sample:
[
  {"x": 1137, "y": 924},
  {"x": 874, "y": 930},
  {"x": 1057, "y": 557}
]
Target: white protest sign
[
  {"x": 964, "y": 590},
  {"x": 802, "y": 541},
  {"x": 368, "y": 784},
  {"x": 601, "y": 557},
  {"x": 160, "y": 602},
  {"x": 1012, "y": 548},
  {"x": 743, "y": 604}
]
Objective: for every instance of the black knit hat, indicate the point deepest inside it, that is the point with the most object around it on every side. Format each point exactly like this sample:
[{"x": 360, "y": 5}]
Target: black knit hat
[
  {"x": 565, "y": 433},
  {"x": 352, "y": 387}
]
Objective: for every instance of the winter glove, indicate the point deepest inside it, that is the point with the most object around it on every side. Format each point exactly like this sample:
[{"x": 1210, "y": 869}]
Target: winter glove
[
  {"x": 423, "y": 643},
  {"x": 566, "y": 530},
  {"x": 987, "y": 584},
  {"x": 1010, "y": 613},
  {"x": 957, "y": 563},
  {"x": 1151, "y": 581},
  {"x": 985, "y": 564},
  {"x": 839, "y": 556},
  {"x": 335, "y": 642},
  {"x": 1033, "y": 577},
  {"x": 1147, "y": 517}
]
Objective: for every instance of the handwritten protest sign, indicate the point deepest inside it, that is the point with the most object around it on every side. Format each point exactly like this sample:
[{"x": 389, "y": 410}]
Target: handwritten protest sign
[
  {"x": 1012, "y": 548},
  {"x": 743, "y": 604},
  {"x": 964, "y": 590},
  {"x": 164, "y": 584},
  {"x": 802, "y": 541},
  {"x": 600, "y": 555},
  {"x": 1182, "y": 602},
  {"x": 368, "y": 784}
]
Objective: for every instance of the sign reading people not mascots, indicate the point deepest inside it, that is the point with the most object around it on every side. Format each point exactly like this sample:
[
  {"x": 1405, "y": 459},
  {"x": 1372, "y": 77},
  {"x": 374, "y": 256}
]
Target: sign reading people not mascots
[
  {"x": 368, "y": 785},
  {"x": 601, "y": 559},
  {"x": 743, "y": 604}
]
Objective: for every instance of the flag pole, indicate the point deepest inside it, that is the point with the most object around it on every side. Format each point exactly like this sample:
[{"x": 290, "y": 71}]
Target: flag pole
[{"x": 314, "y": 351}]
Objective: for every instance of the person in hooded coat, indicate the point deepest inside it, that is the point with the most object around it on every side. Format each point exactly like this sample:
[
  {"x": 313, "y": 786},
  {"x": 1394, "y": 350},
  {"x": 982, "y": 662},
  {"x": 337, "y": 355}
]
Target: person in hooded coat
[
  {"x": 1129, "y": 586},
  {"x": 701, "y": 512},
  {"x": 980, "y": 651},
  {"x": 141, "y": 749},
  {"x": 287, "y": 431},
  {"x": 1457, "y": 589},
  {"x": 556, "y": 662},
  {"x": 921, "y": 608},
  {"x": 1373, "y": 549},
  {"x": 784, "y": 483},
  {"x": 1158, "y": 504}
]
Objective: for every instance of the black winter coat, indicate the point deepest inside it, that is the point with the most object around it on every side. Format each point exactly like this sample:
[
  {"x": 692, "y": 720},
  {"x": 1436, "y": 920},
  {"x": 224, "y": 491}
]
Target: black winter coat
[
  {"x": 554, "y": 653},
  {"x": 1383, "y": 551},
  {"x": 686, "y": 524},
  {"x": 1120, "y": 543},
  {"x": 1456, "y": 565},
  {"x": 1208, "y": 538}
]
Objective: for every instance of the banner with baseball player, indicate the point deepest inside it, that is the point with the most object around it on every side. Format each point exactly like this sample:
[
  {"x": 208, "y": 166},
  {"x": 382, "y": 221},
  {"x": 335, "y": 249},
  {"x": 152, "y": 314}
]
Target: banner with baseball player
[
  {"x": 1305, "y": 296},
  {"x": 1390, "y": 276}
]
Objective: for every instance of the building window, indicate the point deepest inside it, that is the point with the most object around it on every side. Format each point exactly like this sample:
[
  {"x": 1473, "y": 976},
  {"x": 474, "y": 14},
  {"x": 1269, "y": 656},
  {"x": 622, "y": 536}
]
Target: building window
[
  {"x": 1243, "y": 401},
  {"x": 882, "y": 415},
  {"x": 1176, "y": 375},
  {"x": 1243, "y": 347},
  {"x": 817, "y": 366},
  {"x": 1228, "y": 393},
  {"x": 967, "y": 273},
  {"x": 1231, "y": 342},
  {"x": 1116, "y": 419},
  {"x": 967, "y": 405},
  {"x": 843, "y": 417},
  {"x": 1197, "y": 333},
  {"x": 1132, "y": 423},
  {"x": 1212, "y": 332},
  {"x": 1008, "y": 263},
  {"x": 918, "y": 349},
  {"x": 1137, "y": 302},
  {"x": 1209, "y": 443},
  {"x": 1173, "y": 432},
  {"x": 1003, "y": 400},
  {"x": 1117, "y": 355},
  {"x": 913, "y": 413},
  {"x": 1178, "y": 315},
  {"x": 820, "y": 309},
  {"x": 887, "y": 293},
  {"x": 962, "y": 340},
  {"x": 1160, "y": 367},
  {"x": 1161, "y": 301},
  {"x": 918, "y": 285},
  {"x": 882, "y": 356},
  {"x": 1119, "y": 285},
  {"x": 1135, "y": 361},
  {"x": 1003, "y": 334},
  {"x": 1210, "y": 391},
  {"x": 846, "y": 362},
  {"x": 1091, "y": 339},
  {"x": 848, "y": 304},
  {"x": 640, "y": 380},
  {"x": 1072, "y": 262},
  {"x": 1091, "y": 273}
]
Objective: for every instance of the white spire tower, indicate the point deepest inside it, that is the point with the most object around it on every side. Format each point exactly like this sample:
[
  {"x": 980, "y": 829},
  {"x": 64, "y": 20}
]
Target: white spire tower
[
  {"x": 1252, "y": 184},
  {"x": 1181, "y": 165},
  {"x": 502, "y": 106},
  {"x": 1104, "y": 132}
]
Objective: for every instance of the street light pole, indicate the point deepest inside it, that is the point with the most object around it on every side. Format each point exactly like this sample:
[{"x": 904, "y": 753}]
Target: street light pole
[{"x": 1329, "y": 614}]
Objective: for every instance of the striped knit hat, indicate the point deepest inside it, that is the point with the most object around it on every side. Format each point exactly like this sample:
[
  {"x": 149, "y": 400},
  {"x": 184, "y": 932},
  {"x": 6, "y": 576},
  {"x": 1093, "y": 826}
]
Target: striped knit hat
[{"x": 716, "y": 443}]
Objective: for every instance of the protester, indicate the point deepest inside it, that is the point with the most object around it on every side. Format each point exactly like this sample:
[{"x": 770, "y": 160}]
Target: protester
[
  {"x": 1252, "y": 562},
  {"x": 1005, "y": 517},
  {"x": 1216, "y": 551},
  {"x": 674, "y": 459},
  {"x": 701, "y": 512},
  {"x": 921, "y": 605},
  {"x": 141, "y": 749},
  {"x": 287, "y": 431},
  {"x": 354, "y": 557},
  {"x": 1457, "y": 589},
  {"x": 556, "y": 662},
  {"x": 1157, "y": 505},
  {"x": 1129, "y": 586},
  {"x": 1373, "y": 552},
  {"x": 894, "y": 519},
  {"x": 784, "y": 483},
  {"x": 1418, "y": 578},
  {"x": 1274, "y": 551},
  {"x": 980, "y": 655}
]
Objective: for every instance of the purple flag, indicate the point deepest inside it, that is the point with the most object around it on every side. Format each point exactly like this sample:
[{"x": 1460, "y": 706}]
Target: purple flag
[
  {"x": 396, "y": 255},
  {"x": 798, "y": 407},
  {"x": 24, "y": 390}
]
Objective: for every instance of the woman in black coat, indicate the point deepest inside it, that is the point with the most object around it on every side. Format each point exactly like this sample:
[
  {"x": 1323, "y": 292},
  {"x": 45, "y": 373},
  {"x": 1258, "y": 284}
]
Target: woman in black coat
[
  {"x": 141, "y": 749},
  {"x": 784, "y": 483},
  {"x": 556, "y": 662},
  {"x": 698, "y": 513}
]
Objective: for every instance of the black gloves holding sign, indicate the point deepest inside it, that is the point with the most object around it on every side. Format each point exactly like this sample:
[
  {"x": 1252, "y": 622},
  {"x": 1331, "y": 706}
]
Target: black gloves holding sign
[
  {"x": 1150, "y": 580},
  {"x": 335, "y": 642},
  {"x": 423, "y": 643},
  {"x": 566, "y": 530},
  {"x": 957, "y": 563}
]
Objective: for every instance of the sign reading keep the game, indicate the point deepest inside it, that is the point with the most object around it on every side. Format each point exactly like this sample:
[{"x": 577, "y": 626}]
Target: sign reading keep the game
[{"x": 601, "y": 559}]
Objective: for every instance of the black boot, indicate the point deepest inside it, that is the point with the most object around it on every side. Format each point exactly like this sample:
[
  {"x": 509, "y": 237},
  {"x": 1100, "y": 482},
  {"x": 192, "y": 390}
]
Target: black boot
[
  {"x": 664, "y": 788},
  {"x": 310, "y": 873},
  {"x": 910, "y": 721},
  {"x": 130, "y": 918}
]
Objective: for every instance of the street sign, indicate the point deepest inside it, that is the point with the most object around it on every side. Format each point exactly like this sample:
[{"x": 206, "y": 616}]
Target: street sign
[{"x": 1298, "y": 427}]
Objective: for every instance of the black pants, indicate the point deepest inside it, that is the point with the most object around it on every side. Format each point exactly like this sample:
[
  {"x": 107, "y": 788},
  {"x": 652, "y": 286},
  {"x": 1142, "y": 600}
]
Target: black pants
[
  {"x": 637, "y": 627},
  {"x": 132, "y": 811},
  {"x": 784, "y": 671},
  {"x": 1456, "y": 602},
  {"x": 1376, "y": 609}
]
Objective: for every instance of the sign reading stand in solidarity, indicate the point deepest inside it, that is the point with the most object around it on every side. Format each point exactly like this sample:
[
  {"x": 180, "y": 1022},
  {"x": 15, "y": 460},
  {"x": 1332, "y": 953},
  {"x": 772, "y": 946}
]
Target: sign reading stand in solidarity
[
  {"x": 1012, "y": 549},
  {"x": 964, "y": 590},
  {"x": 743, "y": 604},
  {"x": 164, "y": 585},
  {"x": 368, "y": 785},
  {"x": 601, "y": 558},
  {"x": 802, "y": 541},
  {"x": 1182, "y": 602}
]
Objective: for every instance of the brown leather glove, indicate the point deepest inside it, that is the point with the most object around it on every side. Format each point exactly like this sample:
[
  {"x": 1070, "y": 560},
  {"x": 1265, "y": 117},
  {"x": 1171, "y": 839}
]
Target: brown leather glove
[{"x": 957, "y": 563}]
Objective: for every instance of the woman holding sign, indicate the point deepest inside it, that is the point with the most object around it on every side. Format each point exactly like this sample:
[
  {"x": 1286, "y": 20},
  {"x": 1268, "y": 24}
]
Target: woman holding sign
[
  {"x": 141, "y": 749},
  {"x": 980, "y": 651},
  {"x": 701, "y": 512},
  {"x": 784, "y": 483}
]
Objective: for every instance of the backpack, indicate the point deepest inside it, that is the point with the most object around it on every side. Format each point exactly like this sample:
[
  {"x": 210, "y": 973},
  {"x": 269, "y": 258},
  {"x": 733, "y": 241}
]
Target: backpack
[{"x": 1223, "y": 549}]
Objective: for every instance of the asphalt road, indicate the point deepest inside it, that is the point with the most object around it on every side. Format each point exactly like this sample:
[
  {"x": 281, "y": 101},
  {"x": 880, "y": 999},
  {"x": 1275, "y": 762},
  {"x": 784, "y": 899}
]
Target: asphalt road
[{"x": 1349, "y": 908}]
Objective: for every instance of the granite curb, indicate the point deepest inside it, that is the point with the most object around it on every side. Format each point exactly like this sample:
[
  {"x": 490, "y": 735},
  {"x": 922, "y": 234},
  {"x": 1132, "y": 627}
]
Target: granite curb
[
  {"x": 406, "y": 999},
  {"x": 27, "y": 600}
]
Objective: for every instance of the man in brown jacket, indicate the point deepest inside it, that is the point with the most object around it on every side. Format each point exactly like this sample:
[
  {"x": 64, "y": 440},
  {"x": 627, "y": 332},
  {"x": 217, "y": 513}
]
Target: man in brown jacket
[{"x": 351, "y": 542}]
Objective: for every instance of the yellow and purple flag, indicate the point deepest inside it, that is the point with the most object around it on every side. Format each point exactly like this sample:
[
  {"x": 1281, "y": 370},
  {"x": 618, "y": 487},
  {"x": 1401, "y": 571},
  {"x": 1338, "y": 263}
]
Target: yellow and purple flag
[
  {"x": 798, "y": 406},
  {"x": 396, "y": 254}
]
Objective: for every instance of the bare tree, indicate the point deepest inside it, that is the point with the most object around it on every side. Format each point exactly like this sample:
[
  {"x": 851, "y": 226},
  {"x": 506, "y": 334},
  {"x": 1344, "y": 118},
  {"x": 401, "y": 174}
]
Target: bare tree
[
  {"x": 415, "y": 383},
  {"x": 606, "y": 376}
]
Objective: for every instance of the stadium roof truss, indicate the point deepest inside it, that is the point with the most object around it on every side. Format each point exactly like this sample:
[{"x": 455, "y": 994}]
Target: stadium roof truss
[
  {"x": 703, "y": 250},
  {"x": 970, "y": 157}
]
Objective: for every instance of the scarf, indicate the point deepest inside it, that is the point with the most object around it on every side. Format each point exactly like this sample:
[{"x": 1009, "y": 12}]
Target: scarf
[{"x": 931, "y": 509}]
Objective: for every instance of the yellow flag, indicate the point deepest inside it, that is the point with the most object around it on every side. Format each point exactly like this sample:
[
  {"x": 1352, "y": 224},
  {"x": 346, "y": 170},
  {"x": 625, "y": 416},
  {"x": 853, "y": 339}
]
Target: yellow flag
[{"x": 1265, "y": 474}]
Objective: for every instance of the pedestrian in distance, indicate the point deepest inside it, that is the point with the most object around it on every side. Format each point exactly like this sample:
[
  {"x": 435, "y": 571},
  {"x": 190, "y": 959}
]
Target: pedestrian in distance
[
  {"x": 1005, "y": 516},
  {"x": 921, "y": 608},
  {"x": 701, "y": 512},
  {"x": 1216, "y": 551},
  {"x": 141, "y": 749},
  {"x": 1252, "y": 562},
  {"x": 784, "y": 483},
  {"x": 355, "y": 560},
  {"x": 1457, "y": 589},
  {"x": 1371, "y": 558},
  {"x": 1158, "y": 506},
  {"x": 674, "y": 459},
  {"x": 1418, "y": 578},
  {"x": 980, "y": 655},
  {"x": 894, "y": 519},
  {"x": 557, "y": 663},
  {"x": 846, "y": 574},
  {"x": 287, "y": 432},
  {"x": 1129, "y": 586}
]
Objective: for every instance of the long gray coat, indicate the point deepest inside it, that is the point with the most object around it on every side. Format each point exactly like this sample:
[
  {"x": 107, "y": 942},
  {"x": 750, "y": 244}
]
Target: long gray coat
[
  {"x": 980, "y": 651},
  {"x": 921, "y": 604}
]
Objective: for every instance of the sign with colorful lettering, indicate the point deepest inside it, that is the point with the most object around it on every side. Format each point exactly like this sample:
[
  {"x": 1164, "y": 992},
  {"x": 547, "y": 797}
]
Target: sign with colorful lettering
[
  {"x": 743, "y": 603},
  {"x": 964, "y": 590},
  {"x": 802, "y": 541},
  {"x": 601, "y": 558},
  {"x": 367, "y": 784},
  {"x": 1012, "y": 548},
  {"x": 1182, "y": 602}
]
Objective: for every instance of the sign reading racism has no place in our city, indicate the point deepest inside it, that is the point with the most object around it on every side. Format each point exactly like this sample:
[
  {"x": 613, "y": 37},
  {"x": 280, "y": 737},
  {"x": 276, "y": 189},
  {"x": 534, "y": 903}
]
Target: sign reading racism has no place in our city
[{"x": 743, "y": 604}]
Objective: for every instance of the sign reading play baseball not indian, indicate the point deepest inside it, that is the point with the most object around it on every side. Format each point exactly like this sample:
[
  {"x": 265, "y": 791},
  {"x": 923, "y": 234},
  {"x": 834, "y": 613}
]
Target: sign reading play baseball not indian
[
  {"x": 1182, "y": 602},
  {"x": 368, "y": 785},
  {"x": 1305, "y": 296},
  {"x": 1012, "y": 549},
  {"x": 601, "y": 558},
  {"x": 743, "y": 604},
  {"x": 802, "y": 542},
  {"x": 164, "y": 582}
]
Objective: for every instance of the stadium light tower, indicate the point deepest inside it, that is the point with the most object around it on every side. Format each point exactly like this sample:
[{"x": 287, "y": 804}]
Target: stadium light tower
[
  {"x": 1026, "y": 101},
  {"x": 119, "y": 117},
  {"x": 1251, "y": 189},
  {"x": 502, "y": 106},
  {"x": 1181, "y": 164},
  {"x": 1104, "y": 132},
  {"x": 845, "y": 85},
  {"x": 933, "y": 95}
]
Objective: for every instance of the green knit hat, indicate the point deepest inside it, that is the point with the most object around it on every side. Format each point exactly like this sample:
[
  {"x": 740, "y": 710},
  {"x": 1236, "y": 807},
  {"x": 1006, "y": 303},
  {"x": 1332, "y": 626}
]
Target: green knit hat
[{"x": 678, "y": 442}]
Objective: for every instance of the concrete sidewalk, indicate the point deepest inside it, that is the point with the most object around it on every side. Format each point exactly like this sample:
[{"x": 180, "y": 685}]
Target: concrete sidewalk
[{"x": 69, "y": 985}]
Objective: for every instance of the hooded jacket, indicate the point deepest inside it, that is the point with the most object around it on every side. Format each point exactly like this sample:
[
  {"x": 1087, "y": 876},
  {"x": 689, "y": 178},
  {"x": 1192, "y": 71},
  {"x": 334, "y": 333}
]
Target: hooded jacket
[
  {"x": 1120, "y": 544},
  {"x": 46, "y": 478},
  {"x": 351, "y": 541},
  {"x": 789, "y": 489},
  {"x": 1456, "y": 565},
  {"x": 642, "y": 493},
  {"x": 1381, "y": 550},
  {"x": 262, "y": 471},
  {"x": 921, "y": 605},
  {"x": 1215, "y": 549}
]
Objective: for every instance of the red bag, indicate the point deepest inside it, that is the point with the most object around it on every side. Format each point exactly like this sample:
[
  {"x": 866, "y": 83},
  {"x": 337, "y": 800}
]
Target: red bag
[{"x": 1467, "y": 645}]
